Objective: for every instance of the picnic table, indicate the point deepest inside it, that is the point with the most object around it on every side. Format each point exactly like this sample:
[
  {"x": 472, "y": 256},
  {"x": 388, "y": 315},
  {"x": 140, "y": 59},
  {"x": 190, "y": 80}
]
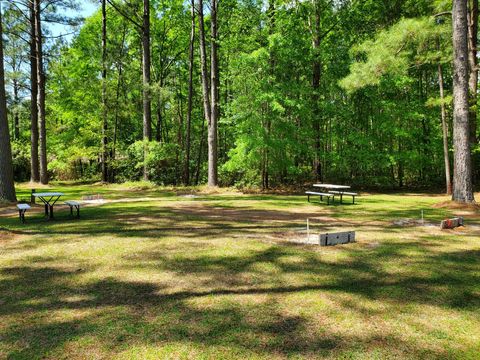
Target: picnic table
[
  {"x": 49, "y": 199},
  {"x": 337, "y": 190}
]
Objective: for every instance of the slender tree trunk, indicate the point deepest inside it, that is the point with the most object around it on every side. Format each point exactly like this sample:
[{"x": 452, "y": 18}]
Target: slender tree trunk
[
  {"x": 186, "y": 175},
  {"x": 205, "y": 76},
  {"x": 41, "y": 95},
  {"x": 200, "y": 153},
  {"x": 104, "y": 94},
  {"x": 147, "y": 107},
  {"x": 214, "y": 85},
  {"x": 117, "y": 108},
  {"x": 7, "y": 186},
  {"x": 462, "y": 173},
  {"x": 446, "y": 158},
  {"x": 16, "y": 119},
  {"x": 34, "y": 165}
]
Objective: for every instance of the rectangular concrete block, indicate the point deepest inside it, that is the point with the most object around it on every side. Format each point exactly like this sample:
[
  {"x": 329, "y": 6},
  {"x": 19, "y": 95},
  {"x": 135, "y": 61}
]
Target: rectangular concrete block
[{"x": 337, "y": 238}]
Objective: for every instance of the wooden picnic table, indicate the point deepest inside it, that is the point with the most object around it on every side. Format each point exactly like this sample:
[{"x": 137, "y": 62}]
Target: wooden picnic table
[{"x": 49, "y": 199}]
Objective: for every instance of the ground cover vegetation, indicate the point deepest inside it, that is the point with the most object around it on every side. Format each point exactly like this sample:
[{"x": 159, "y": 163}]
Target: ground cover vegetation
[
  {"x": 152, "y": 273},
  {"x": 242, "y": 93}
]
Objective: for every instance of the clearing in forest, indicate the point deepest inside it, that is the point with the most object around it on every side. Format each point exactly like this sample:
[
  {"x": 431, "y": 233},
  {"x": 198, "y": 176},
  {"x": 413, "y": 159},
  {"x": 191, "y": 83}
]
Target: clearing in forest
[{"x": 156, "y": 273}]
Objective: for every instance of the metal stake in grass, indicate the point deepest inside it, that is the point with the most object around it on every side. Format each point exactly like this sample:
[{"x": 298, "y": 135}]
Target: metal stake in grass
[{"x": 308, "y": 230}]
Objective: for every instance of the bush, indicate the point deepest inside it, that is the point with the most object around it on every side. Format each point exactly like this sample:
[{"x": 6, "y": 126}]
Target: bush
[
  {"x": 21, "y": 161},
  {"x": 161, "y": 162}
]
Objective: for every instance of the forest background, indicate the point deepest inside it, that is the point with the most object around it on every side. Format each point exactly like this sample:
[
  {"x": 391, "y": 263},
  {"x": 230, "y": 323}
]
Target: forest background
[{"x": 237, "y": 92}]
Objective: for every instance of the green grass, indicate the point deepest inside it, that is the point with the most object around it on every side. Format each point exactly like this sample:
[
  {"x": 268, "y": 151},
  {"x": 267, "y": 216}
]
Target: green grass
[{"x": 151, "y": 274}]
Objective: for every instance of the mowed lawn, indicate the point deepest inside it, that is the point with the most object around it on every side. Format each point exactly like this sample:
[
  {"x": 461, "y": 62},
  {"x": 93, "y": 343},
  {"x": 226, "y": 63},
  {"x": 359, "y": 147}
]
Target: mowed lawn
[{"x": 152, "y": 273}]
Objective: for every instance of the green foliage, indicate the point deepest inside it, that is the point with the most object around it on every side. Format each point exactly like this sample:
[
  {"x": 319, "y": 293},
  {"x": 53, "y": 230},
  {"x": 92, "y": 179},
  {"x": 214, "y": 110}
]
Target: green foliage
[
  {"x": 21, "y": 160},
  {"x": 394, "y": 52},
  {"x": 160, "y": 162},
  {"x": 370, "y": 118}
]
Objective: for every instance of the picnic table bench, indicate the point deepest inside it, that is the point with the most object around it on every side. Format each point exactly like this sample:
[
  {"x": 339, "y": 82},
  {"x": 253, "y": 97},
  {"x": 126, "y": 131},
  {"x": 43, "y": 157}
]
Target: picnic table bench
[
  {"x": 22, "y": 208},
  {"x": 341, "y": 193},
  {"x": 321, "y": 194},
  {"x": 73, "y": 204}
]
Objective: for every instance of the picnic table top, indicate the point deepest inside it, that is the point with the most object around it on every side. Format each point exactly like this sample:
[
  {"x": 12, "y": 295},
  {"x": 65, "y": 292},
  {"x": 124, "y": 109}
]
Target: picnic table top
[
  {"x": 45, "y": 194},
  {"x": 331, "y": 186}
]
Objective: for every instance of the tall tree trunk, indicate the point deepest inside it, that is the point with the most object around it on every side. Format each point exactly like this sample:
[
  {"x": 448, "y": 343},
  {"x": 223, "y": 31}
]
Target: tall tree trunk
[
  {"x": 473, "y": 62},
  {"x": 205, "y": 78},
  {"x": 104, "y": 94},
  {"x": 186, "y": 174},
  {"x": 200, "y": 153},
  {"x": 473, "y": 79},
  {"x": 147, "y": 108},
  {"x": 41, "y": 95},
  {"x": 7, "y": 187},
  {"x": 34, "y": 165},
  {"x": 117, "y": 109},
  {"x": 462, "y": 172},
  {"x": 16, "y": 119},
  {"x": 214, "y": 85},
  {"x": 448, "y": 176}
]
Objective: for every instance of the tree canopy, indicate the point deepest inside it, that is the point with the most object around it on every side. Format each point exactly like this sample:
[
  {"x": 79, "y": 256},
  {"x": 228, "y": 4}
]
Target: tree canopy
[{"x": 344, "y": 91}]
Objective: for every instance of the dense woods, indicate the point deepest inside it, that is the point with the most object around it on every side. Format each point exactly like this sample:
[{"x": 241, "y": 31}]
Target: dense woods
[{"x": 245, "y": 92}]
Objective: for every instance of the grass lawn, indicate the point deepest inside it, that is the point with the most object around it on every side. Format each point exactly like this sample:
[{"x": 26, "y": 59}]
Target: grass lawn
[{"x": 150, "y": 273}]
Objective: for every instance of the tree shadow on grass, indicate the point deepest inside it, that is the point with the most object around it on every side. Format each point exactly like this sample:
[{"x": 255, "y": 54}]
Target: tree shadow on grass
[{"x": 119, "y": 314}]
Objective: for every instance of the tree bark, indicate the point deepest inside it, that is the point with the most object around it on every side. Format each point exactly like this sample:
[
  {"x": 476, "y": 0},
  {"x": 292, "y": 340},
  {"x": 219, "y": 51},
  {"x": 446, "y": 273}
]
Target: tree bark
[
  {"x": 462, "y": 173},
  {"x": 34, "y": 165},
  {"x": 473, "y": 62},
  {"x": 213, "y": 124},
  {"x": 200, "y": 153},
  {"x": 186, "y": 174},
  {"x": 446, "y": 157},
  {"x": 473, "y": 80},
  {"x": 41, "y": 95},
  {"x": 7, "y": 187},
  {"x": 113, "y": 149},
  {"x": 16, "y": 119},
  {"x": 104, "y": 94},
  {"x": 204, "y": 74},
  {"x": 147, "y": 108}
]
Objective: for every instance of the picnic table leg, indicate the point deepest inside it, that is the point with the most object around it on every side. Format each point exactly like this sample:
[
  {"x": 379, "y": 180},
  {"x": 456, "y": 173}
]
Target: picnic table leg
[
  {"x": 51, "y": 211},
  {"x": 46, "y": 210},
  {"x": 78, "y": 211},
  {"x": 341, "y": 198}
]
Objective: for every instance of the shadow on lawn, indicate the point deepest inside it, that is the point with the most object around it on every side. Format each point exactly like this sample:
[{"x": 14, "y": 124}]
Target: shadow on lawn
[
  {"x": 198, "y": 220},
  {"x": 120, "y": 313}
]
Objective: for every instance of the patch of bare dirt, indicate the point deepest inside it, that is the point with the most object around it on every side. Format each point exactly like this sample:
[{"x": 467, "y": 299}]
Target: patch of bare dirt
[
  {"x": 453, "y": 205},
  {"x": 7, "y": 236}
]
